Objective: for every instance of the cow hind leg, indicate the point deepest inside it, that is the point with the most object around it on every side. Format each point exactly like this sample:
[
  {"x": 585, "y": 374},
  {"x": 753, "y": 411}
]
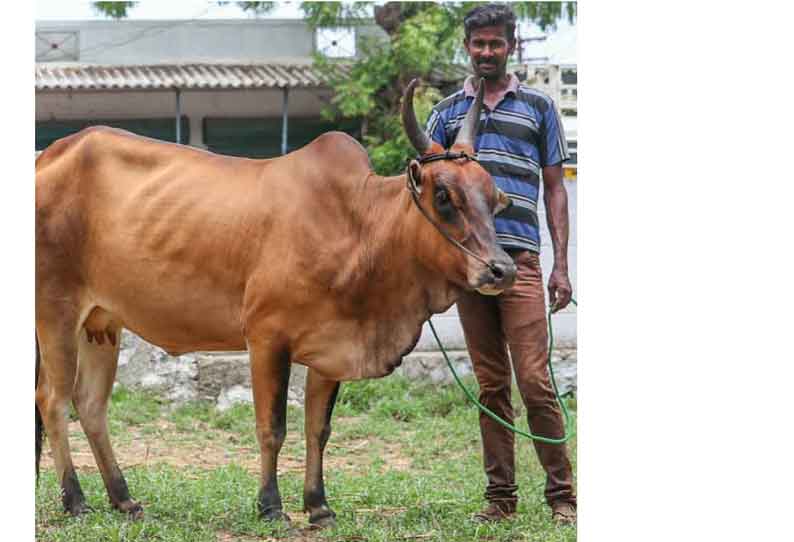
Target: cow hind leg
[
  {"x": 320, "y": 399},
  {"x": 58, "y": 350},
  {"x": 39, "y": 421},
  {"x": 96, "y": 371},
  {"x": 270, "y": 378}
]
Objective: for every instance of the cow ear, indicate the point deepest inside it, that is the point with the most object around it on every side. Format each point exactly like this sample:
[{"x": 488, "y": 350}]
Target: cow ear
[{"x": 415, "y": 176}]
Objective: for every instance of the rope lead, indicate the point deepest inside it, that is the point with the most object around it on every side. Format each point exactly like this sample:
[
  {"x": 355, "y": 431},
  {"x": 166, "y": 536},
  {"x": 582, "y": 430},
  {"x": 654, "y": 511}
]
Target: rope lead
[{"x": 511, "y": 427}]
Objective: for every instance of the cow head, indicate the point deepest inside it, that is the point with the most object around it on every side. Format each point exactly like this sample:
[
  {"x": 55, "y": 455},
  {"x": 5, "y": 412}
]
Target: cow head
[{"x": 460, "y": 198}]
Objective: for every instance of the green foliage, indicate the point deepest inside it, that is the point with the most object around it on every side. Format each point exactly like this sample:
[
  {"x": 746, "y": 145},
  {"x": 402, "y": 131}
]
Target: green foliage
[
  {"x": 255, "y": 8},
  {"x": 114, "y": 10},
  {"x": 335, "y": 13},
  {"x": 545, "y": 14},
  {"x": 388, "y": 145},
  {"x": 371, "y": 87},
  {"x": 120, "y": 10},
  {"x": 430, "y": 37}
]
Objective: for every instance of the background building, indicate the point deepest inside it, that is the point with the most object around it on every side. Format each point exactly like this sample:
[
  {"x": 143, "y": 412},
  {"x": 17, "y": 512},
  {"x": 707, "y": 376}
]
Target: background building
[{"x": 233, "y": 85}]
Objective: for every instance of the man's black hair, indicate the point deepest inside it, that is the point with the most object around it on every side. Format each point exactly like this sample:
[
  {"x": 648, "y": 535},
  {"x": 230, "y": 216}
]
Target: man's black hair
[{"x": 491, "y": 15}]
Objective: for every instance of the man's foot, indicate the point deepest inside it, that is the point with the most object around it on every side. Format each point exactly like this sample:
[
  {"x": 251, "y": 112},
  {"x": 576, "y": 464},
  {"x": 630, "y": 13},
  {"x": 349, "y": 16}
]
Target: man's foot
[
  {"x": 495, "y": 512},
  {"x": 563, "y": 513}
]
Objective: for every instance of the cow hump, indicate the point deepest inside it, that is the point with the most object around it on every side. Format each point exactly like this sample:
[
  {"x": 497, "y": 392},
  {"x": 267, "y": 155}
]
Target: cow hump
[{"x": 338, "y": 149}]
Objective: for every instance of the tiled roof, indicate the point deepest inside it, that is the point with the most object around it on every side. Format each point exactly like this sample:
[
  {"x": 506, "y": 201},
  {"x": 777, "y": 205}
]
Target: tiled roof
[
  {"x": 188, "y": 76},
  {"x": 193, "y": 76}
]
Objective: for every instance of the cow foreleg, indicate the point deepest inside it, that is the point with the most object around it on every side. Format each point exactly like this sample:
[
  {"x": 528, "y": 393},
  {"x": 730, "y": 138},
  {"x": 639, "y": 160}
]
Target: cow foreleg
[
  {"x": 320, "y": 398},
  {"x": 270, "y": 377},
  {"x": 96, "y": 373}
]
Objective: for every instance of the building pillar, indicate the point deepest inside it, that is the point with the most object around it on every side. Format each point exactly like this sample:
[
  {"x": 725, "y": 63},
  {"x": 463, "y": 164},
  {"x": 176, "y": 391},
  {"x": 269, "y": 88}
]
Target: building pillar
[
  {"x": 284, "y": 126},
  {"x": 178, "y": 115}
]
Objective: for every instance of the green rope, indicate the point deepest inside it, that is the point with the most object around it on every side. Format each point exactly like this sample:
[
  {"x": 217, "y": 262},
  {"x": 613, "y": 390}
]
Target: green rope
[{"x": 511, "y": 427}]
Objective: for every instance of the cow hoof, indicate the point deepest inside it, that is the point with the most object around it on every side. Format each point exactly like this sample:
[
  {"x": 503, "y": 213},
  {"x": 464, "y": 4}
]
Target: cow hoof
[
  {"x": 78, "y": 509},
  {"x": 275, "y": 516},
  {"x": 322, "y": 523},
  {"x": 322, "y": 519},
  {"x": 133, "y": 510}
]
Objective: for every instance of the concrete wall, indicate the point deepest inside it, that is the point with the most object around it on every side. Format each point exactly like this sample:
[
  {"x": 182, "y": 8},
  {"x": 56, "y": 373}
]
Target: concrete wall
[{"x": 158, "y": 42}]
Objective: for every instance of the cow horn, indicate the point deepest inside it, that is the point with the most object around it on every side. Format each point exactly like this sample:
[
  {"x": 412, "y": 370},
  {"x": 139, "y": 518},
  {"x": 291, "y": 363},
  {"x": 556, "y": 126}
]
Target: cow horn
[
  {"x": 468, "y": 131},
  {"x": 415, "y": 134}
]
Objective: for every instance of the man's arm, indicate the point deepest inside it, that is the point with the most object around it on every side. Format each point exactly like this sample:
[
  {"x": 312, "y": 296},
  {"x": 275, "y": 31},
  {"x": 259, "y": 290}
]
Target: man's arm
[{"x": 555, "y": 198}]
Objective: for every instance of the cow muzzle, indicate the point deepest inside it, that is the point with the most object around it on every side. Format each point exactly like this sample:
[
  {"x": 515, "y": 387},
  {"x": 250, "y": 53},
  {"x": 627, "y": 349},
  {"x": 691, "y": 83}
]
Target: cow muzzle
[{"x": 499, "y": 275}]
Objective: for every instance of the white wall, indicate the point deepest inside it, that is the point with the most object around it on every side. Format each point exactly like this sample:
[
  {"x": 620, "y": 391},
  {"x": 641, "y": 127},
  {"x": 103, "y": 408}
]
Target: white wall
[
  {"x": 168, "y": 41},
  {"x": 157, "y": 42}
]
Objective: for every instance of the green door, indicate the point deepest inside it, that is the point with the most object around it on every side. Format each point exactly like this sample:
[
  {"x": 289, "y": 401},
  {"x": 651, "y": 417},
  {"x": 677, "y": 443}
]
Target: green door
[{"x": 261, "y": 137}]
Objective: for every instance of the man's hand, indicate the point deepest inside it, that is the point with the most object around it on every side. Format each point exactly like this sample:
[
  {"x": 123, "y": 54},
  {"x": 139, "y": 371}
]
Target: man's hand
[{"x": 559, "y": 289}]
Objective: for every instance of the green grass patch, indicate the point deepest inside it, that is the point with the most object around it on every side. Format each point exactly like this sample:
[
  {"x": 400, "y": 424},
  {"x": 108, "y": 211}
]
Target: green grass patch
[
  {"x": 403, "y": 462},
  {"x": 134, "y": 407},
  {"x": 399, "y": 398}
]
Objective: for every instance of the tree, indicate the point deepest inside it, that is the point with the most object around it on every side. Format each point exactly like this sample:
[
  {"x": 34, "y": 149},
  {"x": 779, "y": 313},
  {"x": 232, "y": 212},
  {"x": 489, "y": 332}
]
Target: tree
[
  {"x": 424, "y": 40},
  {"x": 120, "y": 10},
  {"x": 114, "y": 10}
]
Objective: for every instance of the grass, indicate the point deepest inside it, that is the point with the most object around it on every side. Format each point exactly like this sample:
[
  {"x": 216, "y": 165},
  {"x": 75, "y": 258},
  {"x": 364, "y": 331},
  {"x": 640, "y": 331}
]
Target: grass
[{"x": 403, "y": 463}]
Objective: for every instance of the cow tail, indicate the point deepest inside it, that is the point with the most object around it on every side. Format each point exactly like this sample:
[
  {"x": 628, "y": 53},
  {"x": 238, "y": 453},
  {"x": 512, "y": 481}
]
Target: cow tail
[{"x": 39, "y": 424}]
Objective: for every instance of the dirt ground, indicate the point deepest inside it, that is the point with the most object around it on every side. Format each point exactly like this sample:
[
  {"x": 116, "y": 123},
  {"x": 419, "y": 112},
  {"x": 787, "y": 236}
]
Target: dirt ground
[{"x": 147, "y": 448}]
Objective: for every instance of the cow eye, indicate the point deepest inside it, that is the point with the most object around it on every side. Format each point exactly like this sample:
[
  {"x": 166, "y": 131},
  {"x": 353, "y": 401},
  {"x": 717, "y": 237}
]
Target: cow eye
[
  {"x": 442, "y": 197},
  {"x": 444, "y": 204}
]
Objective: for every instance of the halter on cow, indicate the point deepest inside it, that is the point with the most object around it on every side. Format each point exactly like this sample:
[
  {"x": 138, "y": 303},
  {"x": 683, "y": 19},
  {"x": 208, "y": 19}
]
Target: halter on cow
[{"x": 308, "y": 258}]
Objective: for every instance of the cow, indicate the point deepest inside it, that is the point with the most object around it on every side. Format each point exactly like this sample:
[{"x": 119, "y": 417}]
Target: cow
[{"x": 308, "y": 258}]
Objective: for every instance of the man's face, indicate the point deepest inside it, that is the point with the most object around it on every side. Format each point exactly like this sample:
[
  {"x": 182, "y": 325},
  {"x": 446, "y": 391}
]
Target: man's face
[{"x": 489, "y": 50}]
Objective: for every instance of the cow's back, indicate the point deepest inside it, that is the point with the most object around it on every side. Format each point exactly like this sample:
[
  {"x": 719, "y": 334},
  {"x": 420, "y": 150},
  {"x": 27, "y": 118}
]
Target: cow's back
[
  {"x": 159, "y": 235},
  {"x": 167, "y": 237}
]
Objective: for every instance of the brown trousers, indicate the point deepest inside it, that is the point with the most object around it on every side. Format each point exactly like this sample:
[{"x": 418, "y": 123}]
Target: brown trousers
[{"x": 515, "y": 319}]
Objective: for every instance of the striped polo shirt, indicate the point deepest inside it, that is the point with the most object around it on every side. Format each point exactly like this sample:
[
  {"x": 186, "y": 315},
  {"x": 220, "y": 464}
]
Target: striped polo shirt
[{"x": 515, "y": 140}]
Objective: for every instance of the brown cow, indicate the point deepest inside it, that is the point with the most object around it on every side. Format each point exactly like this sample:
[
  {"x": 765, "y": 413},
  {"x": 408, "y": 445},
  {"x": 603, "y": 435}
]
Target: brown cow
[{"x": 308, "y": 258}]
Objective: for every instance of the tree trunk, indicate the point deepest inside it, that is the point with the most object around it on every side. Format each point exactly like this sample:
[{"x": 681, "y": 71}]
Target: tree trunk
[{"x": 389, "y": 16}]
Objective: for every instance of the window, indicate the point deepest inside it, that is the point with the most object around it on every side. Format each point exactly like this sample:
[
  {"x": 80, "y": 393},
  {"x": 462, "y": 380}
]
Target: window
[
  {"x": 568, "y": 76},
  {"x": 572, "y": 144},
  {"x": 57, "y": 46},
  {"x": 164, "y": 129},
  {"x": 261, "y": 137},
  {"x": 571, "y": 166},
  {"x": 336, "y": 42},
  {"x": 568, "y": 91}
]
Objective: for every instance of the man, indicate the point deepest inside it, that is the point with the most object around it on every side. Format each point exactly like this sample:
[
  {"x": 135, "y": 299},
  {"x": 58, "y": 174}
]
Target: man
[{"x": 520, "y": 141}]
